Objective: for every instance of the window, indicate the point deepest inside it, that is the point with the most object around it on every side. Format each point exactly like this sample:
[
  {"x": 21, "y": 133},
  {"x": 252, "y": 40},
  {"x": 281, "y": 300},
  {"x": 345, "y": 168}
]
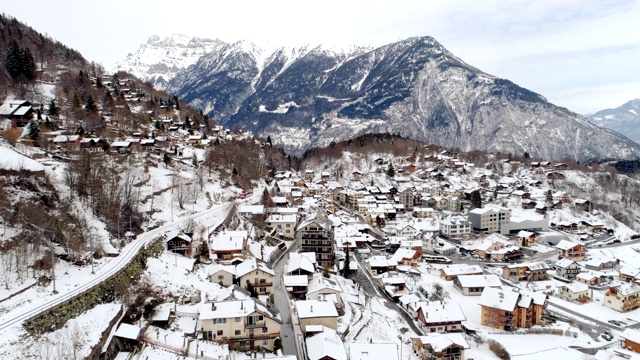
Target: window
[
  {"x": 260, "y": 317},
  {"x": 237, "y": 332},
  {"x": 265, "y": 329},
  {"x": 265, "y": 342},
  {"x": 238, "y": 319},
  {"x": 220, "y": 277},
  {"x": 219, "y": 333}
]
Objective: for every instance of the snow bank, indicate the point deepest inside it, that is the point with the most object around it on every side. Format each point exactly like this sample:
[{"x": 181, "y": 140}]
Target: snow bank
[{"x": 14, "y": 161}]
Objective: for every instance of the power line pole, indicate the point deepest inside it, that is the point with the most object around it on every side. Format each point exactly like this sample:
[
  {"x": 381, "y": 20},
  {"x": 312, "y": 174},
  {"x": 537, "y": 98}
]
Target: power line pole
[
  {"x": 91, "y": 253},
  {"x": 53, "y": 271}
]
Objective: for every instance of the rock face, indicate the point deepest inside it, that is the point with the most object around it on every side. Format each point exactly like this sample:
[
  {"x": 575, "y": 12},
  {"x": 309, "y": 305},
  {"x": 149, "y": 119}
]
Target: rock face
[
  {"x": 159, "y": 59},
  {"x": 624, "y": 119},
  {"x": 309, "y": 97}
]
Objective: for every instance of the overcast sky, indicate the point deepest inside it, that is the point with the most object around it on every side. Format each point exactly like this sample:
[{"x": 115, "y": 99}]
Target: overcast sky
[{"x": 583, "y": 55}]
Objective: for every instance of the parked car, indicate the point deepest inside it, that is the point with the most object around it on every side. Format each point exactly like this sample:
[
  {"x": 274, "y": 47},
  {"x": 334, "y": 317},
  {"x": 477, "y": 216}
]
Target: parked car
[
  {"x": 608, "y": 333},
  {"x": 615, "y": 322},
  {"x": 607, "y": 337}
]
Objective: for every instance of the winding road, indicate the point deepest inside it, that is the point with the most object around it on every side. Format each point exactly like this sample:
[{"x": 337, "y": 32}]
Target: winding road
[{"x": 128, "y": 253}]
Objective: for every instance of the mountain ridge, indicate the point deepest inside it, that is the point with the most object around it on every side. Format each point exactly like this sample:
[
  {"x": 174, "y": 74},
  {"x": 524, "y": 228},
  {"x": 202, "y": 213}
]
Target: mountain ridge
[
  {"x": 414, "y": 87},
  {"x": 624, "y": 119}
]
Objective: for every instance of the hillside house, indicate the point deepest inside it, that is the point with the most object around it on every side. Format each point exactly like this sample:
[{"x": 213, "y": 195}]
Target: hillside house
[
  {"x": 301, "y": 264},
  {"x": 571, "y": 250},
  {"x": 440, "y": 317},
  {"x": 628, "y": 274},
  {"x": 509, "y": 309},
  {"x": 325, "y": 345},
  {"x": 229, "y": 244},
  {"x": 321, "y": 288},
  {"x": 450, "y": 272},
  {"x": 379, "y": 264},
  {"x": 20, "y": 112},
  {"x": 567, "y": 268},
  {"x": 243, "y": 324},
  {"x": 257, "y": 273},
  {"x": 437, "y": 346},
  {"x": 630, "y": 339},
  {"x": 296, "y": 286},
  {"x": 526, "y": 238},
  {"x": 535, "y": 271},
  {"x": 473, "y": 285},
  {"x": 573, "y": 291},
  {"x": 314, "y": 312},
  {"x": 284, "y": 225},
  {"x": 180, "y": 244},
  {"x": 625, "y": 297}
]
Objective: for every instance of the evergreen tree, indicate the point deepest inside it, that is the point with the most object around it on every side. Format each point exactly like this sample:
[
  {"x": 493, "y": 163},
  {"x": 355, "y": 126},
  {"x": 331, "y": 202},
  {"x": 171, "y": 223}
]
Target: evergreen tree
[
  {"x": 391, "y": 171},
  {"x": 12, "y": 60},
  {"x": 269, "y": 140},
  {"x": 54, "y": 110},
  {"x": 550, "y": 196},
  {"x": 91, "y": 105},
  {"x": 234, "y": 172},
  {"x": 33, "y": 130},
  {"x": 476, "y": 199},
  {"x": 345, "y": 268},
  {"x": 252, "y": 291},
  {"x": 27, "y": 64}
]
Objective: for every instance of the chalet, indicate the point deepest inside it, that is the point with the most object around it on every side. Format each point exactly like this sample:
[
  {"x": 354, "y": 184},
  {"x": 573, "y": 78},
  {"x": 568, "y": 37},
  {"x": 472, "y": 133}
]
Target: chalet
[
  {"x": 571, "y": 250},
  {"x": 535, "y": 271},
  {"x": 526, "y": 238},
  {"x": 393, "y": 284},
  {"x": 121, "y": 146},
  {"x": 541, "y": 209},
  {"x": 588, "y": 278},
  {"x": 450, "y": 272},
  {"x": 68, "y": 141},
  {"x": 321, "y": 288},
  {"x": 404, "y": 256},
  {"x": 440, "y": 317},
  {"x": 630, "y": 339},
  {"x": 301, "y": 264},
  {"x": 528, "y": 204},
  {"x": 223, "y": 275},
  {"x": 629, "y": 274},
  {"x": 92, "y": 143},
  {"x": 380, "y": 264},
  {"x": 599, "y": 264},
  {"x": 229, "y": 244},
  {"x": 314, "y": 312},
  {"x": 422, "y": 212},
  {"x": 573, "y": 291},
  {"x": 296, "y": 286},
  {"x": 438, "y": 346},
  {"x": 256, "y": 274},
  {"x": 473, "y": 285},
  {"x": 592, "y": 226},
  {"x": 243, "y": 324},
  {"x": 510, "y": 309},
  {"x": 251, "y": 211},
  {"x": 625, "y": 297},
  {"x": 180, "y": 244},
  {"x": 567, "y": 268},
  {"x": 20, "y": 112},
  {"x": 555, "y": 175},
  {"x": 405, "y": 230},
  {"x": 582, "y": 204},
  {"x": 325, "y": 345}
]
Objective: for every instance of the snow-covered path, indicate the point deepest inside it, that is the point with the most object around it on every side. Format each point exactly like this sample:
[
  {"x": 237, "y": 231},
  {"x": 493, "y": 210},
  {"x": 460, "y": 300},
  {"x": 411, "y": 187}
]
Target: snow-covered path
[{"x": 217, "y": 215}]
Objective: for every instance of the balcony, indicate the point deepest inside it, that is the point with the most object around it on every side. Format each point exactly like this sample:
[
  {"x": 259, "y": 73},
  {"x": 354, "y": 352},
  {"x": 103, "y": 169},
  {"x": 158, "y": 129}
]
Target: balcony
[{"x": 257, "y": 324}]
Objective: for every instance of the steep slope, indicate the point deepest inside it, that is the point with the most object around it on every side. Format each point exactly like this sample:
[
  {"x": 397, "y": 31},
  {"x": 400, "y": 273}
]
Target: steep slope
[
  {"x": 159, "y": 59},
  {"x": 624, "y": 119},
  {"x": 415, "y": 88}
]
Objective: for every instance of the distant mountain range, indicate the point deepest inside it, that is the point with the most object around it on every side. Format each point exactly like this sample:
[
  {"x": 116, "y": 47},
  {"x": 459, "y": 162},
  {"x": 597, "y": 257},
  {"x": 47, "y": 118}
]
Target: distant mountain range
[
  {"x": 312, "y": 96},
  {"x": 624, "y": 119},
  {"x": 159, "y": 59}
]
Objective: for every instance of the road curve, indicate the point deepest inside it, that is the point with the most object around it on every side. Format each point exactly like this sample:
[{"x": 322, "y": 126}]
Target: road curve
[{"x": 127, "y": 254}]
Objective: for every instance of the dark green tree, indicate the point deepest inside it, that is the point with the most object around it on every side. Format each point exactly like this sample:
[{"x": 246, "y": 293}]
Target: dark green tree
[
  {"x": 234, "y": 172},
  {"x": 345, "y": 268},
  {"x": 33, "y": 130},
  {"x": 269, "y": 140},
  {"x": 54, "y": 110},
  {"x": 476, "y": 199},
  {"x": 277, "y": 344},
  {"x": 12, "y": 61},
  {"x": 91, "y": 105},
  {"x": 391, "y": 172},
  {"x": 550, "y": 196},
  {"x": 252, "y": 291}
]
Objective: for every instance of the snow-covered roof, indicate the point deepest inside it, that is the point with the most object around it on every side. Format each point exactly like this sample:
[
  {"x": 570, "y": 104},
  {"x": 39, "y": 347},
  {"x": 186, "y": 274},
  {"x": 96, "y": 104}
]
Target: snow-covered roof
[
  {"x": 66, "y": 138},
  {"x": 381, "y": 261},
  {"x": 436, "y": 312},
  {"x": 229, "y": 240},
  {"x": 564, "y": 262},
  {"x": 373, "y": 351},
  {"x": 325, "y": 344},
  {"x": 301, "y": 261},
  {"x": 440, "y": 342},
  {"x": 295, "y": 280},
  {"x": 128, "y": 331},
  {"x": 251, "y": 264},
  {"x": 499, "y": 299},
  {"x": 631, "y": 335},
  {"x": 251, "y": 209},
  {"x": 308, "y": 309},
  {"x": 462, "y": 269},
  {"x": 469, "y": 281},
  {"x": 236, "y": 308},
  {"x": 403, "y": 253},
  {"x": 566, "y": 245},
  {"x": 575, "y": 286},
  {"x": 319, "y": 283},
  {"x": 539, "y": 265}
]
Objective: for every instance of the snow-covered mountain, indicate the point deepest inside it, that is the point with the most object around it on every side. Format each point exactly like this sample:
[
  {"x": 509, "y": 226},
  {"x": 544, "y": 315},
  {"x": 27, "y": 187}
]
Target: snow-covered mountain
[
  {"x": 310, "y": 97},
  {"x": 159, "y": 59},
  {"x": 624, "y": 119}
]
